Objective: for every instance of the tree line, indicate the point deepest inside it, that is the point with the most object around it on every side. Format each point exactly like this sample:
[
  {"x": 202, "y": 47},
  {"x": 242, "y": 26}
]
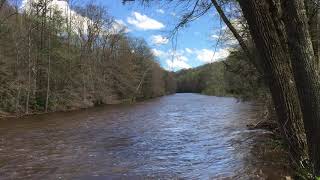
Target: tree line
[
  {"x": 285, "y": 38},
  {"x": 234, "y": 76},
  {"x": 53, "y": 61}
]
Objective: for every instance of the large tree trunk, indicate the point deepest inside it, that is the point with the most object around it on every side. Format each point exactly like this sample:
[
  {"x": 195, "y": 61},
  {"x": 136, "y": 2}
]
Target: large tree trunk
[
  {"x": 276, "y": 14},
  {"x": 313, "y": 14},
  {"x": 306, "y": 74},
  {"x": 278, "y": 74}
]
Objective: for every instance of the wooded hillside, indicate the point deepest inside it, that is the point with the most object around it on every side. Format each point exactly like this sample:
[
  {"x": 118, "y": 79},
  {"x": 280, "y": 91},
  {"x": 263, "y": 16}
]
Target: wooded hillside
[{"x": 51, "y": 62}]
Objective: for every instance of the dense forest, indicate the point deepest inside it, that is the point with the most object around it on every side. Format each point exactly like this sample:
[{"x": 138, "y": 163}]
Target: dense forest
[{"x": 52, "y": 60}]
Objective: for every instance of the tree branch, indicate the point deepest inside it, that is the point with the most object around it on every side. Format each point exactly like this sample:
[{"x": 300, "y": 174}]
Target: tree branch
[{"x": 234, "y": 32}]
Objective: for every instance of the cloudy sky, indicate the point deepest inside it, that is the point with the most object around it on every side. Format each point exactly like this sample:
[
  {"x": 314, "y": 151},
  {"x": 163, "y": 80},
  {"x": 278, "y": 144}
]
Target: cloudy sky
[{"x": 196, "y": 43}]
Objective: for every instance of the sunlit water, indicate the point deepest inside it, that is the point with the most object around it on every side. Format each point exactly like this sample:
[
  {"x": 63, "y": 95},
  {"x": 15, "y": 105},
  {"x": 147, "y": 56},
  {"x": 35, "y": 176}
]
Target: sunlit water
[{"x": 183, "y": 136}]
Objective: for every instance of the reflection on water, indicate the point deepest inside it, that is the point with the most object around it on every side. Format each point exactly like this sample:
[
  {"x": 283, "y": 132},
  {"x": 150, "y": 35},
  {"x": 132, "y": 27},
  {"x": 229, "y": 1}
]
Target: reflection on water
[{"x": 180, "y": 136}]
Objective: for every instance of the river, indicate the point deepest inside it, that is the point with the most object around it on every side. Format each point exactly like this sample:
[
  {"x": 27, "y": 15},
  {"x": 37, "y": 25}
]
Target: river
[{"x": 181, "y": 136}]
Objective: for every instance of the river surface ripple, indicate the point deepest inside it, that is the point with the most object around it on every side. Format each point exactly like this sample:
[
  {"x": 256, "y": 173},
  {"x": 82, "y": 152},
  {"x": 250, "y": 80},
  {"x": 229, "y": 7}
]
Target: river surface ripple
[{"x": 182, "y": 136}]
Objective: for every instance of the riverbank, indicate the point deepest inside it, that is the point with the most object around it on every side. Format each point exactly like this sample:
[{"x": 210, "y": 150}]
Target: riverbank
[
  {"x": 267, "y": 120},
  {"x": 6, "y": 115}
]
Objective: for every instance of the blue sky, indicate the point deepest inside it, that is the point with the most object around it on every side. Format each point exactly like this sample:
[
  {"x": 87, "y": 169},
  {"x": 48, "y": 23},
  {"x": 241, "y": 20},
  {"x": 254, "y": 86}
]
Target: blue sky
[{"x": 196, "y": 44}]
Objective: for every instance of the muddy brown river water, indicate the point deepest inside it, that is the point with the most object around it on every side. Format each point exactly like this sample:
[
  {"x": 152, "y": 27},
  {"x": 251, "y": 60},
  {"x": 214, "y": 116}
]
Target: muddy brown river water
[{"x": 182, "y": 136}]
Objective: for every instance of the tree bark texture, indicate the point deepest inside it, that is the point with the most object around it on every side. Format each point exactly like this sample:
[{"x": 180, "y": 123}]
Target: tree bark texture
[
  {"x": 306, "y": 74},
  {"x": 276, "y": 66}
]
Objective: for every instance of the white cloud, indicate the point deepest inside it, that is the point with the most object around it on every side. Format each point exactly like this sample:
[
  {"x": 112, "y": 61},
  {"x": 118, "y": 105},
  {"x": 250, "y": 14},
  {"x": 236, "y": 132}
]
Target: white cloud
[
  {"x": 225, "y": 38},
  {"x": 237, "y": 23},
  {"x": 157, "y": 53},
  {"x": 118, "y": 26},
  {"x": 178, "y": 63},
  {"x": 170, "y": 53},
  {"x": 144, "y": 22},
  {"x": 214, "y": 36},
  {"x": 208, "y": 56},
  {"x": 232, "y": 42},
  {"x": 181, "y": 58},
  {"x": 224, "y": 27},
  {"x": 62, "y": 6},
  {"x": 159, "y": 40},
  {"x": 161, "y": 11},
  {"x": 176, "y": 52},
  {"x": 188, "y": 50},
  {"x": 78, "y": 22},
  {"x": 176, "y": 60}
]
